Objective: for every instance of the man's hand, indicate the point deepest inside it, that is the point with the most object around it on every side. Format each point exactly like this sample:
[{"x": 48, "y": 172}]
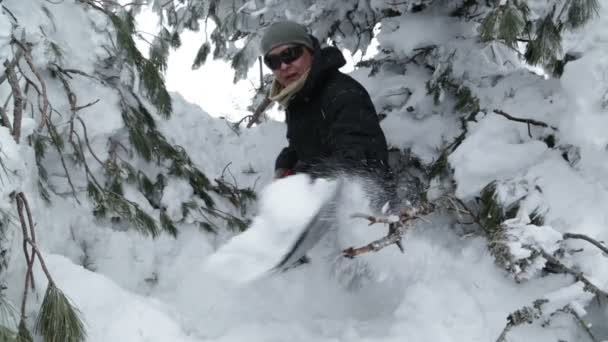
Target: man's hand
[{"x": 282, "y": 173}]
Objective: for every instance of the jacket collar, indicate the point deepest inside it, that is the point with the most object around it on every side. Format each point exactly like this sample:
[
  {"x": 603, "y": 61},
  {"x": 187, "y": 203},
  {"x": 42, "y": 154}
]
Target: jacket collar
[{"x": 325, "y": 60}]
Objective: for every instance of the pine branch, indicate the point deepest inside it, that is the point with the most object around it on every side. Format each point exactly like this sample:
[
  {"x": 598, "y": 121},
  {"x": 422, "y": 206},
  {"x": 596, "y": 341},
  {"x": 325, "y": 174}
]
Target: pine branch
[
  {"x": 259, "y": 110},
  {"x": 28, "y": 57},
  {"x": 86, "y": 139},
  {"x": 578, "y": 276},
  {"x": 58, "y": 320},
  {"x": 17, "y": 100},
  {"x": 588, "y": 239},
  {"x": 526, "y": 121},
  {"x": 6, "y": 335},
  {"x": 527, "y": 314},
  {"x": 58, "y": 143},
  {"x": 398, "y": 226},
  {"x": 29, "y": 258},
  {"x": 24, "y": 334},
  {"x": 582, "y": 323}
]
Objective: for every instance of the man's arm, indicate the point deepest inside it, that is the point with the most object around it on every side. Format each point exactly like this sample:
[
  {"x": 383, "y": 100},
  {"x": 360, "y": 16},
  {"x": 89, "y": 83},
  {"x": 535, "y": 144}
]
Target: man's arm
[{"x": 286, "y": 159}]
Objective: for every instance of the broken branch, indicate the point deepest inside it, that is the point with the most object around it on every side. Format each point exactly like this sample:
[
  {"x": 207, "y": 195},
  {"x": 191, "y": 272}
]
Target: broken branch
[
  {"x": 527, "y": 121},
  {"x": 28, "y": 57},
  {"x": 579, "y": 276},
  {"x": 588, "y": 239},
  {"x": 255, "y": 118},
  {"x": 17, "y": 99}
]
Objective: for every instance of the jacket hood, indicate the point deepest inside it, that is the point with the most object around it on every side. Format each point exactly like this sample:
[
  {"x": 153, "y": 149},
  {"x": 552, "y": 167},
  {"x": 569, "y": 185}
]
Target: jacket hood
[{"x": 325, "y": 60}]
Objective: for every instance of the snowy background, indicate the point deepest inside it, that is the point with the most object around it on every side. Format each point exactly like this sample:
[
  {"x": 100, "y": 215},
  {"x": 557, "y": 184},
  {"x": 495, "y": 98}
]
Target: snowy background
[{"x": 202, "y": 286}]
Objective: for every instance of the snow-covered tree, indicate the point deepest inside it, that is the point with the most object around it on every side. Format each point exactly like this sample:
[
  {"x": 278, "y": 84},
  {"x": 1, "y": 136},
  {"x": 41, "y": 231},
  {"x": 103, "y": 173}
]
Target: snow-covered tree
[
  {"x": 451, "y": 67},
  {"x": 80, "y": 111}
]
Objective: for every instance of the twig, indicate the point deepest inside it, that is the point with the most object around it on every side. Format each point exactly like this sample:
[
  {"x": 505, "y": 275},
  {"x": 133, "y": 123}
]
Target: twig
[
  {"x": 32, "y": 235},
  {"x": 11, "y": 64},
  {"x": 261, "y": 73},
  {"x": 579, "y": 276},
  {"x": 392, "y": 238},
  {"x": 17, "y": 100},
  {"x": 86, "y": 140},
  {"x": 376, "y": 219},
  {"x": 527, "y": 121},
  {"x": 588, "y": 239},
  {"x": 261, "y": 108},
  {"x": 398, "y": 226},
  {"x": 503, "y": 334},
  {"x": 29, "y": 259},
  {"x": 65, "y": 168},
  {"x": 45, "y": 99},
  {"x": 5, "y": 121},
  {"x": 11, "y": 13},
  {"x": 580, "y": 320},
  {"x": 238, "y": 123},
  {"x": 86, "y": 105}
]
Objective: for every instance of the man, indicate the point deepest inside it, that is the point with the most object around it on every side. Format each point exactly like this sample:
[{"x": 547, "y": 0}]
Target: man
[{"x": 331, "y": 121}]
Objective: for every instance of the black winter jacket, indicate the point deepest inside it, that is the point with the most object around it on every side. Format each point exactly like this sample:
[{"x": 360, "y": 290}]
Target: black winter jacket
[{"x": 332, "y": 122}]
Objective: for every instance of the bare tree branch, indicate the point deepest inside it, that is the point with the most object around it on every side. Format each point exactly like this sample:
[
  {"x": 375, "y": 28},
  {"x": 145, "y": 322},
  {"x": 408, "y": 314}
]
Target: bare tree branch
[
  {"x": 583, "y": 324},
  {"x": 527, "y": 121},
  {"x": 588, "y": 239},
  {"x": 17, "y": 100},
  {"x": 398, "y": 225},
  {"x": 28, "y": 57},
  {"x": 86, "y": 140},
  {"x": 29, "y": 258},
  {"x": 579, "y": 276},
  {"x": 261, "y": 108}
]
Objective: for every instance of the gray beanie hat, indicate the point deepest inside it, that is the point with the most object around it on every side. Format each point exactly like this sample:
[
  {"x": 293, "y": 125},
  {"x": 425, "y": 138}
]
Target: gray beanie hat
[{"x": 285, "y": 32}]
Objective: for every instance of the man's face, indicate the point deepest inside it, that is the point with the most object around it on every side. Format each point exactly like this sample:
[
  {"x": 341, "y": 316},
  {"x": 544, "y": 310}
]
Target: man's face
[{"x": 290, "y": 71}]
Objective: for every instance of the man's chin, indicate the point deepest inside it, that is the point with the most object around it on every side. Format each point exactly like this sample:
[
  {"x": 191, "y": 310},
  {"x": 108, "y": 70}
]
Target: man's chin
[{"x": 289, "y": 80}]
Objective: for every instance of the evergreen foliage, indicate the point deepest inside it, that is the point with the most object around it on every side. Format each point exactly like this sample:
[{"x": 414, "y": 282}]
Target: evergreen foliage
[
  {"x": 23, "y": 333},
  {"x": 58, "y": 320},
  {"x": 512, "y": 23},
  {"x": 149, "y": 70},
  {"x": 7, "y": 318}
]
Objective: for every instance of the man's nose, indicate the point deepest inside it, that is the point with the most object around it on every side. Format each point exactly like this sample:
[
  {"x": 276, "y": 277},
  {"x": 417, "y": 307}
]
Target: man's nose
[{"x": 284, "y": 66}]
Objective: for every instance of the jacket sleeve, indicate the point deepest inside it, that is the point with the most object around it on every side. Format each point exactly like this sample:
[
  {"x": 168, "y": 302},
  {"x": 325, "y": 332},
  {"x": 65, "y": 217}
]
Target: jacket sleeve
[
  {"x": 354, "y": 128},
  {"x": 286, "y": 159}
]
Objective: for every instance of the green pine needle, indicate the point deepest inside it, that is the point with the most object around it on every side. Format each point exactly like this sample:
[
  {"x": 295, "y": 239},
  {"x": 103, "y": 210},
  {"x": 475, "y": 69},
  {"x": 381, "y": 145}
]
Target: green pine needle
[
  {"x": 488, "y": 26},
  {"x": 58, "y": 320},
  {"x": 155, "y": 87},
  {"x": 140, "y": 140},
  {"x": 176, "y": 41},
  {"x": 167, "y": 224},
  {"x": 149, "y": 72},
  {"x": 207, "y": 227},
  {"x": 547, "y": 43},
  {"x": 94, "y": 193},
  {"x": 490, "y": 211},
  {"x": 44, "y": 193},
  {"x": 7, "y": 335},
  {"x": 159, "y": 50},
  {"x": 131, "y": 173},
  {"x": 144, "y": 222},
  {"x": 511, "y": 25},
  {"x": 7, "y": 312},
  {"x": 581, "y": 11},
  {"x": 145, "y": 185},
  {"x": 39, "y": 147},
  {"x": 23, "y": 333}
]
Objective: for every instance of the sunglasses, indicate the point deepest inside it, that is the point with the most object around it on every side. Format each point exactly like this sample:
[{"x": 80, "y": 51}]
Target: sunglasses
[{"x": 286, "y": 56}]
